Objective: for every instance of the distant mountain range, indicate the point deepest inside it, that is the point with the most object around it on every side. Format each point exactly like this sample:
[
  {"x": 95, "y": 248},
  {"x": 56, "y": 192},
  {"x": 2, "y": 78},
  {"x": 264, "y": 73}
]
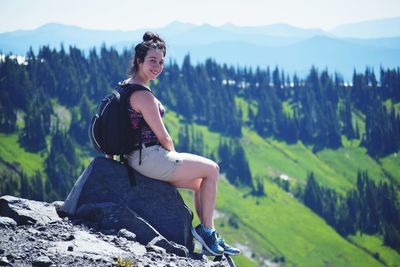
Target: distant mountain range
[{"x": 352, "y": 46}]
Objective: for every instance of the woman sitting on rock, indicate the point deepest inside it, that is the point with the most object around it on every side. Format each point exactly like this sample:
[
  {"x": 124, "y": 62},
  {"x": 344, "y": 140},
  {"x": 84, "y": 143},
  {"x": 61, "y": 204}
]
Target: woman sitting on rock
[{"x": 157, "y": 157}]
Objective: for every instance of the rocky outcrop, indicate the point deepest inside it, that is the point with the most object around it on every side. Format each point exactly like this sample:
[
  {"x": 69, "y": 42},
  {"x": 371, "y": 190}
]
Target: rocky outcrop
[
  {"x": 33, "y": 234},
  {"x": 24, "y": 211},
  {"x": 154, "y": 210}
]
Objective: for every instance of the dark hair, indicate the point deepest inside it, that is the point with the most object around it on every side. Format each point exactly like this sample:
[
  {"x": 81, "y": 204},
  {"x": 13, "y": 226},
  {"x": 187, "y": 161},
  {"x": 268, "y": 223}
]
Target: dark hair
[{"x": 150, "y": 40}]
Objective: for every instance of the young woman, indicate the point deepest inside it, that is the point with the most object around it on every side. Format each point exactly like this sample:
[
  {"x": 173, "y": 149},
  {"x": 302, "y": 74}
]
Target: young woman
[{"x": 157, "y": 157}]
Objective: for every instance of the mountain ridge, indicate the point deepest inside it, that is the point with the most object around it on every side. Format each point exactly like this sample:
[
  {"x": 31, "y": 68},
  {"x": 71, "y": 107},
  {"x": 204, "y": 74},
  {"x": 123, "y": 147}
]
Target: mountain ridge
[
  {"x": 291, "y": 48},
  {"x": 377, "y": 28}
]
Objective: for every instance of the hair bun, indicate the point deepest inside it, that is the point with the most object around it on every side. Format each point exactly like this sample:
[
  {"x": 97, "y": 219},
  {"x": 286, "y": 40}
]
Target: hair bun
[{"x": 151, "y": 36}]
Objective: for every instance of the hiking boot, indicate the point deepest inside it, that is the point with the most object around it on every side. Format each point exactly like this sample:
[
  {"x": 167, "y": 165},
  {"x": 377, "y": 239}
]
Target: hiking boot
[
  {"x": 208, "y": 239},
  {"x": 227, "y": 248}
]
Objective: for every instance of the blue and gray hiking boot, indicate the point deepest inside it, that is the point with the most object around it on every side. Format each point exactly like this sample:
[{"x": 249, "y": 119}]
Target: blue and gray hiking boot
[
  {"x": 227, "y": 248},
  {"x": 208, "y": 239}
]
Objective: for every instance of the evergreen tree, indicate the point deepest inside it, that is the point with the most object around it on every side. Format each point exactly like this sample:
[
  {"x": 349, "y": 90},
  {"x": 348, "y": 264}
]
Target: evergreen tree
[
  {"x": 258, "y": 187},
  {"x": 183, "y": 139},
  {"x": 8, "y": 115},
  {"x": 278, "y": 82},
  {"x": 9, "y": 182},
  {"x": 381, "y": 128},
  {"x": 37, "y": 192},
  {"x": 240, "y": 167},
  {"x": 347, "y": 118},
  {"x": 345, "y": 225},
  {"x": 233, "y": 162},
  {"x": 312, "y": 194},
  {"x": 81, "y": 117},
  {"x": 37, "y": 123},
  {"x": 391, "y": 236},
  {"x": 361, "y": 94},
  {"x": 14, "y": 83},
  {"x": 33, "y": 136},
  {"x": 223, "y": 155},
  {"x": 41, "y": 72},
  {"x": 390, "y": 82},
  {"x": 62, "y": 164}
]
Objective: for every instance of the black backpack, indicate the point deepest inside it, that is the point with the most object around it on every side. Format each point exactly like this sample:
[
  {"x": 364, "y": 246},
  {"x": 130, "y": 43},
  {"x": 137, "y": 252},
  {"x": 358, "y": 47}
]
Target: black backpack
[{"x": 110, "y": 130}]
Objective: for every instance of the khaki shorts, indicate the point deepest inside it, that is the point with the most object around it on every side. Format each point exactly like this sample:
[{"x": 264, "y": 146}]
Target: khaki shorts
[{"x": 157, "y": 162}]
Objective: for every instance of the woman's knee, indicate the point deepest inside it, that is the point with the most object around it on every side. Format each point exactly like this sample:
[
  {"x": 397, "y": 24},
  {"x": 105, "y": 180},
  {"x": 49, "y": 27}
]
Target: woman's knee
[
  {"x": 214, "y": 171},
  {"x": 217, "y": 167}
]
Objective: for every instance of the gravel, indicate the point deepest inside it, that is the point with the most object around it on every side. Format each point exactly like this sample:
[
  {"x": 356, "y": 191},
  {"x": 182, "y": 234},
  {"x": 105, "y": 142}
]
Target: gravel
[{"x": 68, "y": 243}]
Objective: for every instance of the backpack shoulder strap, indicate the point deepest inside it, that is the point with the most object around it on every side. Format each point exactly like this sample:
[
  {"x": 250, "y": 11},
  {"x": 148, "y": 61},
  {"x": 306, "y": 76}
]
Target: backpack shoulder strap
[{"x": 128, "y": 89}]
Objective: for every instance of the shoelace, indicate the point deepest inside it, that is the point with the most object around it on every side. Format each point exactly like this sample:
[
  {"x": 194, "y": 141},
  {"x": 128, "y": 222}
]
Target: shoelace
[
  {"x": 221, "y": 242},
  {"x": 214, "y": 236},
  {"x": 219, "y": 239}
]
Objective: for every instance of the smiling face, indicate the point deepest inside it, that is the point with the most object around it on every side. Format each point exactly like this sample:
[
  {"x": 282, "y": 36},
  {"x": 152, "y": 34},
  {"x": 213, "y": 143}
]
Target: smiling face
[{"x": 152, "y": 65}]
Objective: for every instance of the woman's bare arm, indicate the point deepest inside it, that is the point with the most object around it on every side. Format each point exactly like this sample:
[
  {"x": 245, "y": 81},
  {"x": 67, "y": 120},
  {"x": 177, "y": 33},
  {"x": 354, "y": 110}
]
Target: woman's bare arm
[{"x": 145, "y": 103}]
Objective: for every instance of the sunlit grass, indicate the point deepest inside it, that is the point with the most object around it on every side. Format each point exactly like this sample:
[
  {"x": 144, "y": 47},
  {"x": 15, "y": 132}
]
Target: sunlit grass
[
  {"x": 280, "y": 225},
  {"x": 348, "y": 161},
  {"x": 374, "y": 245},
  {"x": 391, "y": 165},
  {"x": 11, "y": 152}
]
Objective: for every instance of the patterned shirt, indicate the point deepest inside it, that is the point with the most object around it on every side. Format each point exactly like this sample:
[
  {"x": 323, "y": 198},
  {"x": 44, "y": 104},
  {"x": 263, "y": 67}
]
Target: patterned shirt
[{"x": 137, "y": 119}]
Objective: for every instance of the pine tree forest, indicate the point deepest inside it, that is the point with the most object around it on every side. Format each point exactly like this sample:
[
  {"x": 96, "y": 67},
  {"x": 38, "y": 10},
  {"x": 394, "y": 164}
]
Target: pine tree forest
[{"x": 316, "y": 110}]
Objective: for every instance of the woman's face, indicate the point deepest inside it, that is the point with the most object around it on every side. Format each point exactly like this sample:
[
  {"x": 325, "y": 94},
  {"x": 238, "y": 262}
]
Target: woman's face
[{"x": 153, "y": 64}]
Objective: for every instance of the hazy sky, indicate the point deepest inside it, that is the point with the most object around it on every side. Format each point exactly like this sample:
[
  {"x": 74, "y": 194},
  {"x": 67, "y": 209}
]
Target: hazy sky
[{"x": 132, "y": 14}]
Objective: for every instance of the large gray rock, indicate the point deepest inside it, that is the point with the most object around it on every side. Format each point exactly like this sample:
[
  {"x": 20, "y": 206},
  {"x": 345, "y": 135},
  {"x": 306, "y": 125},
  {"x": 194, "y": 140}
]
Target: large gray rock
[
  {"x": 24, "y": 211},
  {"x": 152, "y": 209}
]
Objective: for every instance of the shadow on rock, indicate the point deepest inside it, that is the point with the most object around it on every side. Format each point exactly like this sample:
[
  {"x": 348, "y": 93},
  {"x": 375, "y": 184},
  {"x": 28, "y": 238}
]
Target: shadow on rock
[{"x": 153, "y": 210}]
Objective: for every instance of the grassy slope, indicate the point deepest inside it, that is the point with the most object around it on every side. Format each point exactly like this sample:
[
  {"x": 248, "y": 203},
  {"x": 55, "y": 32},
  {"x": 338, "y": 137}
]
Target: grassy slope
[
  {"x": 11, "y": 152},
  {"x": 272, "y": 158},
  {"x": 348, "y": 160},
  {"x": 285, "y": 227},
  {"x": 373, "y": 244},
  {"x": 279, "y": 225},
  {"x": 391, "y": 165}
]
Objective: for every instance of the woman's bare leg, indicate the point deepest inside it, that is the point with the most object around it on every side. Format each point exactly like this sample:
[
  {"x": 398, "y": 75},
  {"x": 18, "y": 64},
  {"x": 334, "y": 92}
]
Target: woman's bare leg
[
  {"x": 197, "y": 204},
  {"x": 199, "y": 174},
  {"x": 195, "y": 186}
]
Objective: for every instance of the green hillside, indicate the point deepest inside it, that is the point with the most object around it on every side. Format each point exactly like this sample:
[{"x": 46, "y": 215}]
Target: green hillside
[
  {"x": 12, "y": 153},
  {"x": 279, "y": 228},
  {"x": 284, "y": 227},
  {"x": 373, "y": 245},
  {"x": 275, "y": 228},
  {"x": 292, "y": 150}
]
